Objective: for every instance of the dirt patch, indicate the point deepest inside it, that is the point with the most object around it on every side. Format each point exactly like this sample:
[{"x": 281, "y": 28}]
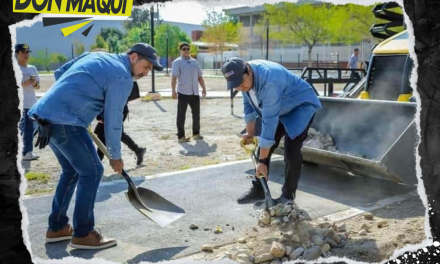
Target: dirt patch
[
  {"x": 153, "y": 125},
  {"x": 390, "y": 228}
]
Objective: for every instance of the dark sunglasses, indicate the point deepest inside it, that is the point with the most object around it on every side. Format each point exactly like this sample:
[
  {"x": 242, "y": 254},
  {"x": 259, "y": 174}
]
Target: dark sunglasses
[{"x": 185, "y": 49}]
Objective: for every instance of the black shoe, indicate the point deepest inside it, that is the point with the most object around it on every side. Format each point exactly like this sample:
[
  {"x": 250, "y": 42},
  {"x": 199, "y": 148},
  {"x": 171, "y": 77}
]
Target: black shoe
[
  {"x": 251, "y": 196},
  {"x": 140, "y": 156}
]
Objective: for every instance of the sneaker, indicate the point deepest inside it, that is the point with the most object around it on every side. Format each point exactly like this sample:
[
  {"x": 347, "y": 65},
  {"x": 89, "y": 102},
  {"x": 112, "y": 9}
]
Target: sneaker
[
  {"x": 140, "y": 156},
  {"x": 60, "y": 235},
  {"x": 30, "y": 156},
  {"x": 197, "y": 136},
  {"x": 94, "y": 240},
  {"x": 251, "y": 196},
  {"x": 184, "y": 139}
]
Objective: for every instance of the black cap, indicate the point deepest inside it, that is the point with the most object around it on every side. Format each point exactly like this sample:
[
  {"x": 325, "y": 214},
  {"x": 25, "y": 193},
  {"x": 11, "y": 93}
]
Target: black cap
[
  {"x": 149, "y": 53},
  {"x": 22, "y": 47},
  {"x": 233, "y": 70}
]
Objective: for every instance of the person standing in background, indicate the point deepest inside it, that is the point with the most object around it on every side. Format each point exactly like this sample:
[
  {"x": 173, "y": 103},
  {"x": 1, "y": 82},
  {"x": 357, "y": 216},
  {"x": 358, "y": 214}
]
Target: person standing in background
[
  {"x": 187, "y": 74},
  {"x": 30, "y": 82},
  {"x": 353, "y": 64}
]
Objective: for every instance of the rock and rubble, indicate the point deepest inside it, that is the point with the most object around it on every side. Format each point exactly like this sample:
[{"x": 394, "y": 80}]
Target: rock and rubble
[{"x": 298, "y": 237}]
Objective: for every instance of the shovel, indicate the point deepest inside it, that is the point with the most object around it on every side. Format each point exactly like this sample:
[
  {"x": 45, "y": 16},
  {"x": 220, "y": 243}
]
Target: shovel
[
  {"x": 268, "y": 201},
  {"x": 152, "y": 205}
]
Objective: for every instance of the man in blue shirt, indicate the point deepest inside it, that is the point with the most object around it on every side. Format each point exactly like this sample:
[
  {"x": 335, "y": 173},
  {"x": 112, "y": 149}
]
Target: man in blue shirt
[
  {"x": 286, "y": 104},
  {"x": 353, "y": 64},
  {"x": 83, "y": 88}
]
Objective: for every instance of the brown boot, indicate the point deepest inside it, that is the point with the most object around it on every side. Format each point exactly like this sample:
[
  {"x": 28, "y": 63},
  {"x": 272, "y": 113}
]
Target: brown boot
[
  {"x": 94, "y": 240},
  {"x": 60, "y": 235}
]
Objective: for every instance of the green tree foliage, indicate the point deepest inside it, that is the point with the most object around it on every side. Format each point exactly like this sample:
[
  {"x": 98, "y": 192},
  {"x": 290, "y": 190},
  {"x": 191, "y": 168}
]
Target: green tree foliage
[
  {"x": 61, "y": 58},
  {"x": 136, "y": 35},
  {"x": 175, "y": 37},
  {"x": 309, "y": 24},
  {"x": 220, "y": 31},
  {"x": 137, "y": 18},
  {"x": 78, "y": 47},
  {"x": 114, "y": 38},
  {"x": 99, "y": 43}
]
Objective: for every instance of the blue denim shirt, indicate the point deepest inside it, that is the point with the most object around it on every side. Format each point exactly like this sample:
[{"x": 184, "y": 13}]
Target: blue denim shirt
[
  {"x": 83, "y": 88},
  {"x": 282, "y": 97}
]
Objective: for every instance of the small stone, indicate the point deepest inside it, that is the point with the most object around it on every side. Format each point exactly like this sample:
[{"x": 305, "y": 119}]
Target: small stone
[
  {"x": 263, "y": 258},
  {"x": 365, "y": 227},
  {"x": 388, "y": 207},
  {"x": 244, "y": 251},
  {"x": 329, "y": 254},
  {"x": 252, "y": 258},
  {"x": 265, "y": 218},
  {"x": 243, "y": 259},
  {"x": 289, "y": 250},
  {"x": 186, "y": 240},
  {"x": 326, "y": 218},
  {"x": 305, "y": 216},
  {"x": 295, "y": 238},
  {"x": 285, "y": 259},
  {"x": 277, "y": 221},
  {"x": 363, "y": 232},
  {"x": 325, "y": 225},
  {"x": 242, "y": 240},
  {"x": 296, "y": 253},
  {"x": 382, "y": 223},
  {"x": 325, "y": 248},
  {"x": 343, "y": 236},
  {"x": 206, "y": 229},
  {"x": 287, "y": 209},
  {"x": 368, "y": 216},
  {"x": 277, "y": 249},
  {"x": 272, "y": 212},
  {"x": 331, "y": 242},
  {"x": 207, "y": 248},
  {"x": 342, "y": 227},
  {"x": 286, "y": 219},
  {"x": 193, "y": 227},
  {"x": 276, "y": 261},
  {"x": 312, "y": 253},
  {"x": 317, "y": 240}
]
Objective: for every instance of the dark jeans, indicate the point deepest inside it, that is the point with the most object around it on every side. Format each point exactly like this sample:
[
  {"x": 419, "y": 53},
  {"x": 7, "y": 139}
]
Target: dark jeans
[
  {"x": 80, "y": 168},
  {"x": 26, "y": 131},
  {"x": 183, "y": 101},
  {"x": 126, "y": 139},
  {"x": 292, "y": 159},
  {"x": 355, "y": 75}
]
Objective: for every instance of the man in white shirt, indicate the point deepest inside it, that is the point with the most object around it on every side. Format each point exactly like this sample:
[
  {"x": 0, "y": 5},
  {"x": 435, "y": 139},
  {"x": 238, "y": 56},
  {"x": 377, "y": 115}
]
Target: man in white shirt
[{"x": 30, "y": 82}]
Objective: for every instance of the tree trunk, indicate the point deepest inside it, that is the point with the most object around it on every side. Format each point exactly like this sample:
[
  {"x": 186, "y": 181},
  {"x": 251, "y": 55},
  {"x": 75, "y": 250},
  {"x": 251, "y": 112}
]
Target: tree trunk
[{"x": 309, "y": 56}]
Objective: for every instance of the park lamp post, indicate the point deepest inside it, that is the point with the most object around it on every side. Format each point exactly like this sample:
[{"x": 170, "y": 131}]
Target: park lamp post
[
  {"x": 167, "y": 38},
  {"x": 267, "y": 39}
]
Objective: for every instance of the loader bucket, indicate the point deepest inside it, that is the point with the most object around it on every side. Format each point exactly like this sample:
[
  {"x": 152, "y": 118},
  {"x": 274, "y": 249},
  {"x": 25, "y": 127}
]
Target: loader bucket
[{"x": 373, "y": 138}]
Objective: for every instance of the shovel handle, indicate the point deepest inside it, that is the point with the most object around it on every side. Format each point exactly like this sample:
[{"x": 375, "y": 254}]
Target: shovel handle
[{"x": 104, "y": 150}]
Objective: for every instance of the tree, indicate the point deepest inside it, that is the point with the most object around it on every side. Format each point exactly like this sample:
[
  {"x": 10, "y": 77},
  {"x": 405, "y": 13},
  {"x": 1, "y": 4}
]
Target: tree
[
  {"x": 175, "y": 37},
  {"x": 137, "y": 34},
  {"x": 79, "y": 47},
  {"x": 220, "y": 31},
  {"x": 137, "y": 18},
  {"x": 305, "y": 24},
  {"x": 61, "y": 58},
  {"x": 114, "y": 38},
  {"x": 99, "y": 43}
]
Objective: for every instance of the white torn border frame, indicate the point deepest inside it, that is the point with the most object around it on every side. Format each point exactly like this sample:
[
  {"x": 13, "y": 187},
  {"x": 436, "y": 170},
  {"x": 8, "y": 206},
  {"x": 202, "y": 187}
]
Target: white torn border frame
[{"x": 208, "y": 4}]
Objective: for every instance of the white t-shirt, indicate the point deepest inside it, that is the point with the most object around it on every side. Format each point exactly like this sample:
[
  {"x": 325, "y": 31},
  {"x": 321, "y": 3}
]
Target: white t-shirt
[
  {"x": 254, "y": 99},
  {"x": 29, "y": 98}
]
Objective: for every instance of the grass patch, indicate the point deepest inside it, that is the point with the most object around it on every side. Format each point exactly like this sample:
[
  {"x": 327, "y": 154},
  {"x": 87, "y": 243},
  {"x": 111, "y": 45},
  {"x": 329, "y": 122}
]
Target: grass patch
[
  {"x": 210, "y": 162},
  {"x": 186, "y": 167},
  {"x": 38, "y": 191},
  {"x": 165, "y": 137},
  {"x": 37, "y": 176}
]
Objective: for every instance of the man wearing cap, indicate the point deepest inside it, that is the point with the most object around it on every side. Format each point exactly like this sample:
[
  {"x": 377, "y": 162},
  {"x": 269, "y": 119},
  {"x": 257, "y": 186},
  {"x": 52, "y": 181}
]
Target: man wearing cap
[
  {"x": 30, "y": 82},
  {"x": 187, "y": 74},
  {"x": 286, "y": 104},
  {"x": 83, "y": 88}
]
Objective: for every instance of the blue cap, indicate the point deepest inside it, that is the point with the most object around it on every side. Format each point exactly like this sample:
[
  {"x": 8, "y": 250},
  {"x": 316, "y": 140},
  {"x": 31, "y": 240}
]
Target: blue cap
[
  {"x": 149, "y": 53},
  {"x": 233, "y": 70},
  {"x": 22, "y": 47}
]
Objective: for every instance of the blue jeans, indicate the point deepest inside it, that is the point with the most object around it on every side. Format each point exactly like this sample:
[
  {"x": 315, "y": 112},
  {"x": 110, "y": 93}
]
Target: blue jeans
[
  {"x": 26, "y": 131},
  {"x": 81, "y": 168}
]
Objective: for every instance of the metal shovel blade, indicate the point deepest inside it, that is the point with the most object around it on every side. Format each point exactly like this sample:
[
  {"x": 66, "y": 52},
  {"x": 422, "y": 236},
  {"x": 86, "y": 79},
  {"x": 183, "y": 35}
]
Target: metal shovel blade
[{"x": 155, "y": 207}]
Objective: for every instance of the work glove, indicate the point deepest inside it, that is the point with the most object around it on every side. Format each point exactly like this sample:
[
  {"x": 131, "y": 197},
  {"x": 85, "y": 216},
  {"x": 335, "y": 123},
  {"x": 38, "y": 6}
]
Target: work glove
[{"x": 43, "y": 131}]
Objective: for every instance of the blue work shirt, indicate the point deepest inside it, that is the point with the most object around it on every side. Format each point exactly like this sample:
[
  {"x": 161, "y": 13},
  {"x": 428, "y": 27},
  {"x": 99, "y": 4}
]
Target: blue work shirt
[
  {"x": 187, "y": 72},
  {"x": 83, "y": 88},
  {"x": 281, "y": 97}
]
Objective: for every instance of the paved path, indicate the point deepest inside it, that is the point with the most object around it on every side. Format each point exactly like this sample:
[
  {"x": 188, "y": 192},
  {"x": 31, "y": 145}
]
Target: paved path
[{"x": 208, "y": 195}]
